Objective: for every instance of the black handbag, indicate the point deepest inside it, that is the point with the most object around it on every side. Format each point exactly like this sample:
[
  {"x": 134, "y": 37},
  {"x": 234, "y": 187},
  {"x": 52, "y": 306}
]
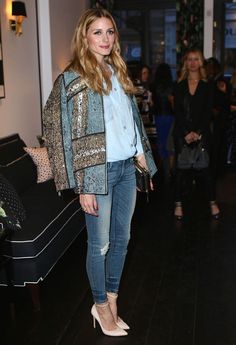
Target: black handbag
[
  {"x": 142, "y": 178},
  {"x": 193, "y": 156}
]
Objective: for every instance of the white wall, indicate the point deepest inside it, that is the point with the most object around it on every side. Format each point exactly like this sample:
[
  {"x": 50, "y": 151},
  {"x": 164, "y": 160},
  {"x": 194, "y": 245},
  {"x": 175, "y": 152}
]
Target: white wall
[
  {"x": 20, "y": 109},
  {"x": 45, "y": 53},
  {"x": 63, "y": 18},
  {"x": 59, "y": 17}
]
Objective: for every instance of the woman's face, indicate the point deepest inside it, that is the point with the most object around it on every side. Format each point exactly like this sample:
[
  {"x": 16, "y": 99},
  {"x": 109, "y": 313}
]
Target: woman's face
[
  {"x": 144, "y": 74},
  {"x": 193, "y": 62},
  {"x": 100, "y": 37}
]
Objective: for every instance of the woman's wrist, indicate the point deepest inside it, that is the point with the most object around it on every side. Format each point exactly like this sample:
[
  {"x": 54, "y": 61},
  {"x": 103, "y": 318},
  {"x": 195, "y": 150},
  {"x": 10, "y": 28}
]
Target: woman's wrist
[{"x": 141, "y": 160}]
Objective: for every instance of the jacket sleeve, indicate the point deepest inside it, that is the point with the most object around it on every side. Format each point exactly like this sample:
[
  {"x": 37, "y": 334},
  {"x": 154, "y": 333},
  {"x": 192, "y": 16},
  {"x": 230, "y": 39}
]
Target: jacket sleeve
[
  {"x": 54, "y": 111},
  {"x": 144, "y": 139},
  {"x": 180, "y": 110}
]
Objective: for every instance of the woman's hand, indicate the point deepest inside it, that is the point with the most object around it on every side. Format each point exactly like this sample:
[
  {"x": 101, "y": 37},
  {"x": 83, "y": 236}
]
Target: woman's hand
[
  {"x": 89, "y": 204},
  {"x": 222, "y": 86},
  {"x": 233, "y": 107},
  {"x": 189, "y": 138},
  {"x": 142, "y": 162},
  {"x": 192, "y": 137},
  {"x": 151, "y": 184}
]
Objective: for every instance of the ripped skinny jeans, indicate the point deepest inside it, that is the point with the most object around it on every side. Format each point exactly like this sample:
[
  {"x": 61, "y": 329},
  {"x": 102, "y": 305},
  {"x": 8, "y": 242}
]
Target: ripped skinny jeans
[{"x": 109, "y": 233}]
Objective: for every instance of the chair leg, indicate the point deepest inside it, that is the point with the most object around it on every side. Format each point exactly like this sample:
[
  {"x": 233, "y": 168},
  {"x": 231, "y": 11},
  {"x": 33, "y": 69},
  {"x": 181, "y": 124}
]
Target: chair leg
[
  {"x": 35, "y": 296},
  {"x": 10, "y": 288}
]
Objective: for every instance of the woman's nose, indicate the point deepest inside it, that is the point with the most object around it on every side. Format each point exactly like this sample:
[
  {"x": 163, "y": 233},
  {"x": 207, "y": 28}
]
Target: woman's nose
[{"x": 105, "y": 38}]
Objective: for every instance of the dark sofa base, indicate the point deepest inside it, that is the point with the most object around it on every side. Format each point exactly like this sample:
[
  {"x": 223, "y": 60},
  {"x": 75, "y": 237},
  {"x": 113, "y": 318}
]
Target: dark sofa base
[
  {"x": 33, "y": 270},
  {"x": 52, "y": 222}
]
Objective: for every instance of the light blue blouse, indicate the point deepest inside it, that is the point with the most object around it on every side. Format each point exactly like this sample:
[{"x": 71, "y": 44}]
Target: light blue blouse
[{"x": 122, "y": 136}]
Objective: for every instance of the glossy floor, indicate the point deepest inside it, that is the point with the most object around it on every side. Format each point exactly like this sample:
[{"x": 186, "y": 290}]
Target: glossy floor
[{"x": 178, "y": 286}]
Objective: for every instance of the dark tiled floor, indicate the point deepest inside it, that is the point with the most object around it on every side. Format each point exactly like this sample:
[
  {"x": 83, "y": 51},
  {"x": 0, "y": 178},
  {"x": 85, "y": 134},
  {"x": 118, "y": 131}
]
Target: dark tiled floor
[{"x": 178, "y": 286}]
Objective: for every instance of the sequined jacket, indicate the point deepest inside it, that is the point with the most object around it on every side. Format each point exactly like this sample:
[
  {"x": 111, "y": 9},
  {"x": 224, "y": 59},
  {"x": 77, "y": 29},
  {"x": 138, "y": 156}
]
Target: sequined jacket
[{"x": 74, "y": 131}]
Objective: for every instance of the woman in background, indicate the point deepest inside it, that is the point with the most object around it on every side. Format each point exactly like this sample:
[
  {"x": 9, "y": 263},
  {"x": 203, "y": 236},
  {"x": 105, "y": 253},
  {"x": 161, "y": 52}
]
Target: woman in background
[
  {"x": 193, "y": 101},
  {"x": 162, "y": 94},
  {"x": 93, "y": 130},
  {"x": 143, "y": 93},
  {"x": 220, "y": 116}
]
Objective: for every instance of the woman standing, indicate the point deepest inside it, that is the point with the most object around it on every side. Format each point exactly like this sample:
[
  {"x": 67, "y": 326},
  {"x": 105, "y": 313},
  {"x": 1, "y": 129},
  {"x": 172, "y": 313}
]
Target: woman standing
[
  {"x": 143, "y": 94},
  {"x": 162, "y": 91},
  {"x": 93, "y": 131},
  {"x": 193, "y": 108},
  {"x": 220, "y": 116}
]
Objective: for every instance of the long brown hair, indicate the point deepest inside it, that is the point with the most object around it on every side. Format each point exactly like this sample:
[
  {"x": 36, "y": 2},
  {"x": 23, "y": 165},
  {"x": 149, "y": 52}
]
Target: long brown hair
[
  {"x": 184, "y": 70},
  {"x": 85, "y": 63}
]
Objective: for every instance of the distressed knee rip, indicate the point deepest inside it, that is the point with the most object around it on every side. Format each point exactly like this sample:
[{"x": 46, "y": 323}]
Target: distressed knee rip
[{"x": 105, "y": 249}]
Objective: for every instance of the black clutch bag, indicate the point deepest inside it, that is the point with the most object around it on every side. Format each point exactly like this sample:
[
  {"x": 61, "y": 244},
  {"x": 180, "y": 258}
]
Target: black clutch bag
[{"x": 142, "y": 178}]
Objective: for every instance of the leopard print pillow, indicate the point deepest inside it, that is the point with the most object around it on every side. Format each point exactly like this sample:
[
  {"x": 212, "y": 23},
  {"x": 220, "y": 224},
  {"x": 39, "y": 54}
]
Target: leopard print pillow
[{"x": 40, "y": 158}]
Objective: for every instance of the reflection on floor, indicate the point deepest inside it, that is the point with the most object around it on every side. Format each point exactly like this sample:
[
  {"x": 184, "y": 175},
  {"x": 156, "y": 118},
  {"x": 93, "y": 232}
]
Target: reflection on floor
[{"x": 178, "y": 286}]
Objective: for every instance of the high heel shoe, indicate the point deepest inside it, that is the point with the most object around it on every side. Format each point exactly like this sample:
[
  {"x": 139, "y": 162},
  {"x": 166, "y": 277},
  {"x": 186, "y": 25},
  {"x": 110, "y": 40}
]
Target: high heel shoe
[
  {"x": 178, "y": 205},
  {"x": 216, "y": 215},
  {"x": 117, "y": 332},
  {"x": 112, "y": 297}
]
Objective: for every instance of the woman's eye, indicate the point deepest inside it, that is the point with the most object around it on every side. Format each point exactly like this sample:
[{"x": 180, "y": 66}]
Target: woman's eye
[
  {"x": 97, "y": 32},
  {"x": 111, "y": 32}
]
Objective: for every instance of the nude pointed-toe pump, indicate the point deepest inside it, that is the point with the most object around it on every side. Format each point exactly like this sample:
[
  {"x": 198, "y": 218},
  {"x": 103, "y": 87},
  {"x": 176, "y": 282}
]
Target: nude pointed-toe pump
[
  {"x": 112, "y": 298},
  {"x": 117, "y": 332}
]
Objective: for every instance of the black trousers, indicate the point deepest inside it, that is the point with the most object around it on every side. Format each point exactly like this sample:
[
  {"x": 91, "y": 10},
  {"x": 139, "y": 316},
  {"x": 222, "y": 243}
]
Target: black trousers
[{"x": 203, "y": 179}]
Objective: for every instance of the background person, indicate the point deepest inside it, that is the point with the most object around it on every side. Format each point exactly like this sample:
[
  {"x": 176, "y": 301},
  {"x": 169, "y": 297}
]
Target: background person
[
  {"x": 220, "y": 116},
  {"x": 162, "y": 91},
  {"x": 143, "y": 93},
  {"x": 193, "y": 107}
]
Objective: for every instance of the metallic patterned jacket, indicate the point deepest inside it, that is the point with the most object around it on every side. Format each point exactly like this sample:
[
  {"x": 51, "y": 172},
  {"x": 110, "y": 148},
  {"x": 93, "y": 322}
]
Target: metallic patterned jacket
[{"x": 74, "y": 130}]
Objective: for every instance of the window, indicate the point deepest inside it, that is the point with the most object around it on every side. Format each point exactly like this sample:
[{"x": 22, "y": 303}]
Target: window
[
  {"x": 148, "y": 35},
  {"x": 230, "y": 39}
]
